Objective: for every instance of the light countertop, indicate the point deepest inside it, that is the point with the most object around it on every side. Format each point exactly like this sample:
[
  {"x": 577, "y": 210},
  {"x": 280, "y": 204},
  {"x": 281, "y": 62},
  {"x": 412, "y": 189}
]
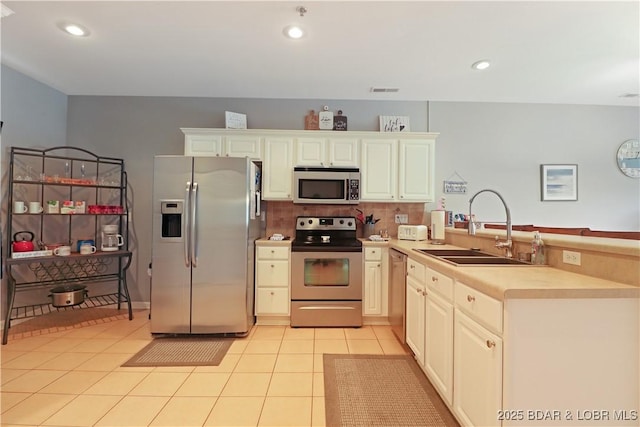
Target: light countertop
[{"x": 517, "y": 281}]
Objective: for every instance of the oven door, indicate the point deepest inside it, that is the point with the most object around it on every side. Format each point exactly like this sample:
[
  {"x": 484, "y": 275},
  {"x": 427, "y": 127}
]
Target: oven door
[{"x": 326, "y": 276}]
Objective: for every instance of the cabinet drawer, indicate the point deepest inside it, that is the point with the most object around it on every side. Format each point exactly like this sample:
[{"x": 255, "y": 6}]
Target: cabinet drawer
[
  {"x": 440, "y": 283},
  {"x": 273, "y": 252},
  {"x": 372, "y": 254},
  {"x": 272, "y": 273},
  {"x": 415, "y": 270},
  {"x": 272, "y": 301},
  {"x": 479, "y": 306}
]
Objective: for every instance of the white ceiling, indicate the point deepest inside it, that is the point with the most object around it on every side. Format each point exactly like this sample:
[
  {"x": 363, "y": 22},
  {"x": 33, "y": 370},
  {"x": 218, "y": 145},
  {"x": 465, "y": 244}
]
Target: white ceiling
[{"x": 541, "y": 52}]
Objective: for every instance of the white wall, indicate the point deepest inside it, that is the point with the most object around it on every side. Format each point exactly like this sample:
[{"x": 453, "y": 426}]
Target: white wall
[{"x": 501, "y": 146}]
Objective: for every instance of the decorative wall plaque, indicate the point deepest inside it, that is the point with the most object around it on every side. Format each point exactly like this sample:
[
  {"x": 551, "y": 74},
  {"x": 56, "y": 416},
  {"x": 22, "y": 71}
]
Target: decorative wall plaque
[{"x": 339, "y": 121}]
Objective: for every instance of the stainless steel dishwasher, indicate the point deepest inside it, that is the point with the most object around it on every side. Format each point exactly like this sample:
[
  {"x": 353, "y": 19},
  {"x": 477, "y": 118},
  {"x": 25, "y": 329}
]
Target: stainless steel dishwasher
[{"x": 397, "y": 292}]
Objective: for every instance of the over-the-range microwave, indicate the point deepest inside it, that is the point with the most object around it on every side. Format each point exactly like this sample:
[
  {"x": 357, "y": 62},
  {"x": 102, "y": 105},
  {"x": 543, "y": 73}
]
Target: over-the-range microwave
[{"x": 330, "y": 186}]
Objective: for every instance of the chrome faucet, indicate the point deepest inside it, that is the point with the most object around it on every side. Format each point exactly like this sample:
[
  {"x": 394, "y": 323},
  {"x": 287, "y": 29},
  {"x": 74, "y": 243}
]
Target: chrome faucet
[{"x": 507, "y": 245}]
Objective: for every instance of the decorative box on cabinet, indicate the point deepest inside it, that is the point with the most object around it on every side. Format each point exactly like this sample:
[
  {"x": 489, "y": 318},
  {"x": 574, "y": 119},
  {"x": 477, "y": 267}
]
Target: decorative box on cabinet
[
  {"x": 272, "y": 280},
  {"x": 66, "y": 174}
]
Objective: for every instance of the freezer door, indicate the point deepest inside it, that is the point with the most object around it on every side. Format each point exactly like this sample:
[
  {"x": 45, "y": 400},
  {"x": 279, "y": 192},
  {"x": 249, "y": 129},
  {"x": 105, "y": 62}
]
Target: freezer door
[
  {"x": 171, "y": 281},
  {"x": 220, "y": 274}
]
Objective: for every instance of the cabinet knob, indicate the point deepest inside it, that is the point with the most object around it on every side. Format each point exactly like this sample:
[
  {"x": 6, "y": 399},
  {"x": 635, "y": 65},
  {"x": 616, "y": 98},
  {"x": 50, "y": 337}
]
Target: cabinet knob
[
  {"x": 412, "y": 267},
  {"x": 272, "y": 265},
  {"x": 402, "y": 197},
  {"x": 491, "y": 344},
  {"x": 378, "y": 265},
  {"x": 273, "y": 293},
  {"x": 373, "y": 251},
  {"x": 424, "y": 293},
  {"x": 471, "y": 298},
  {"x": 272, "y": 251},
  {"x": 434, "y": 279}
]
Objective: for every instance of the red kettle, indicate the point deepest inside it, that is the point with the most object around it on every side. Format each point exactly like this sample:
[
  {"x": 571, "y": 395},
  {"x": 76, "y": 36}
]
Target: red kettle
[{"x": 22, "y": 245}]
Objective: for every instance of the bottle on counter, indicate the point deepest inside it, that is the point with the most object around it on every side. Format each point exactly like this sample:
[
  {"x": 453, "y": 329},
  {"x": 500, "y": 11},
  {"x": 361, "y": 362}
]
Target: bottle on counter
[{"x": 537, "y": 249}]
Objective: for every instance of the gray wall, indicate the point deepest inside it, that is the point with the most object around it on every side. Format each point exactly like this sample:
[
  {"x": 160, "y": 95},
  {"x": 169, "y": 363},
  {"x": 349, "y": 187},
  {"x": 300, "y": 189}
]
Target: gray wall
[{"x": 499, "y": 146}]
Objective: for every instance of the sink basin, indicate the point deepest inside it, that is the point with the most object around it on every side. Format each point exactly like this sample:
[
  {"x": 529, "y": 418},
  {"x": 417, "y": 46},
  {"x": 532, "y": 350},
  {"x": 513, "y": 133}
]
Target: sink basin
[
  {"x": 453, "y": 252},
  {"x": 469, "y": 257},
  {"x": 492, "y": 260}
]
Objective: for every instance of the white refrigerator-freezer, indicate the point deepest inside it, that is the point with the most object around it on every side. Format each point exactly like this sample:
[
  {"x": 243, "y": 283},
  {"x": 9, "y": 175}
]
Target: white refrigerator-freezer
[{"x": 206, "y": 218}]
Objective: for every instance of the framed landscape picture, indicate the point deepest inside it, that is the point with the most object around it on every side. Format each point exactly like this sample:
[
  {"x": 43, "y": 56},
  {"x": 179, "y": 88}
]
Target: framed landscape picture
[{"x": 558, "y": 182}]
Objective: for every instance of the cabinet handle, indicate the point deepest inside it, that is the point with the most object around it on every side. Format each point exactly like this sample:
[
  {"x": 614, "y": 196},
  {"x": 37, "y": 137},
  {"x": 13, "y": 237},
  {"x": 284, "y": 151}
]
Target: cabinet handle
[
  {"x": 373, "y": 252},
  {"x": 491, "y": 344},
  {"x": 273, "y": 293},
  {"x": 424, "y": 293},
  {"x": 471, "y": 298},
  {"x": 272, "y": 251},
  {"x": 378, "y": 265},
  {"x": 434, "y": 279},
  {"x": 402, "y": 197},
  {"x": 272, "y": 265},
  {"x": 412, "y": 267}
]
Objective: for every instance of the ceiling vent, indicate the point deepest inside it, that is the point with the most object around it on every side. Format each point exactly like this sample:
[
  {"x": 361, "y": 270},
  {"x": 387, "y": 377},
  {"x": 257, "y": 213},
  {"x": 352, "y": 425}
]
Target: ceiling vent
[{"x": 384, "y": 89}]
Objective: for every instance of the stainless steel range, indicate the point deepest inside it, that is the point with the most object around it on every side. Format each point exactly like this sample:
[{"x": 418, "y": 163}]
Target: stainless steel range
[{"x": 326, "y": 273}]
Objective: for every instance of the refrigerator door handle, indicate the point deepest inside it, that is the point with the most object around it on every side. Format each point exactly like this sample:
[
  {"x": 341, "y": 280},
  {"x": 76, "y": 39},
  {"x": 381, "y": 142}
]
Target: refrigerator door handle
[
  {"x": 187, "y": 255},
  {"x": 194, "y": 235}
]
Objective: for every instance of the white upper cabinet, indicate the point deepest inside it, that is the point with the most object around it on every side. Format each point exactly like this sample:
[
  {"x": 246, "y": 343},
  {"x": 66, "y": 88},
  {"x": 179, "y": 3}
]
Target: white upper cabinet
[
  {"x": 379, "y": 171},
  {"x": 394, "y": 167},
  {"x": 214, "y": 143},
  {"x": 327, "y": 152},
  {"x": 399, "y": 170},
  {"x": 277, "y": 168},
  {"x": 416, "y": 170}
]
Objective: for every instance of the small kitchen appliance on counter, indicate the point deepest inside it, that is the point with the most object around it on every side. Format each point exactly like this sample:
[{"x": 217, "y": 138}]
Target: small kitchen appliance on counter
[{"x": 412, "y": 232}]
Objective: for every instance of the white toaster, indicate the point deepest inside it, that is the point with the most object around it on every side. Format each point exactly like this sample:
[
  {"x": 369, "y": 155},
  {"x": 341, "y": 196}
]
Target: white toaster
[{"x": 412, "y": 232}]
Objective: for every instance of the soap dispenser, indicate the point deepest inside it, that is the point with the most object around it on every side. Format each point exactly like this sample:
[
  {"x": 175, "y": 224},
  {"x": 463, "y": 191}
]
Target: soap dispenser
[{"x": 537, "y": 249}]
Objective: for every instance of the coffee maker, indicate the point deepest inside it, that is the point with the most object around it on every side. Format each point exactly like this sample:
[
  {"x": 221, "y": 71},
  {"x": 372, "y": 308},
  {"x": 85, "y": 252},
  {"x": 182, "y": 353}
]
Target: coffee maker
[{"x": 111, "y": 240}]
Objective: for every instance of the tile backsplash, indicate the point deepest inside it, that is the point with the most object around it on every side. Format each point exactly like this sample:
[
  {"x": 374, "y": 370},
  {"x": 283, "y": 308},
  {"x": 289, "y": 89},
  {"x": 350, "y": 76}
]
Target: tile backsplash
[{"x": 281, "y": 216}]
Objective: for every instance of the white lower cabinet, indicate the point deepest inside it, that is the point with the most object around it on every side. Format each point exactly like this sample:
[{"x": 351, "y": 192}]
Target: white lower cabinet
[
  {"x": 372, "y": 298},
  {"x": 477, "y": 371},
  {"x": 272, "y": 280},
  {"x": 438, "y": 339},
  {"x": 414, "y": 317}
]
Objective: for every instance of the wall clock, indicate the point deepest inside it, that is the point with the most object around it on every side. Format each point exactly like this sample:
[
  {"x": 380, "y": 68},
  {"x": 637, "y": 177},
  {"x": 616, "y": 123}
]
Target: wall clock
[{"x": 629, "y": 158}]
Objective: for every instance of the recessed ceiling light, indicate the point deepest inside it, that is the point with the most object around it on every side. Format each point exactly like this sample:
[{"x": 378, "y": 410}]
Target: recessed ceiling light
[
  {"x": 293, "y": 32},
  {"x": 5, "y": 11},
  {"x": 74, "y": 29},
  {"x": 481, "y": 65}
]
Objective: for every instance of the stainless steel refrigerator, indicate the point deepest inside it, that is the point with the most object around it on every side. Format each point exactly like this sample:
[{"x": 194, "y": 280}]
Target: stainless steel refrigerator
[{"x": 206, "y": 218}]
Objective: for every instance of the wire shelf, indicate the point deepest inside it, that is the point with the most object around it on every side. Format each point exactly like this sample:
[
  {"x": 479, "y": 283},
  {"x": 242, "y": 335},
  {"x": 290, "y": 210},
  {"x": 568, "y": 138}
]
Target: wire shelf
[{"x": 34, "y": 310}]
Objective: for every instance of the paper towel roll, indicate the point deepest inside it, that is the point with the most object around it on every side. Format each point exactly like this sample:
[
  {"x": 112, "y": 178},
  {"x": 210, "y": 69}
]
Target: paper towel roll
[{"x": 437, "y": 225}]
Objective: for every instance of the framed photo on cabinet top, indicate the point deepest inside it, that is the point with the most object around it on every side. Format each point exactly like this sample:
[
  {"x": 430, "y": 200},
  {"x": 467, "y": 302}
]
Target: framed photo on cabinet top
[{"x": 559, "y": 182}]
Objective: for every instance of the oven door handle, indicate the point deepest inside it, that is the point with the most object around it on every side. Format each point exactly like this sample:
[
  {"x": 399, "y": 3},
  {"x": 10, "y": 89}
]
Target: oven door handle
[{"x": 326, "y": 307}]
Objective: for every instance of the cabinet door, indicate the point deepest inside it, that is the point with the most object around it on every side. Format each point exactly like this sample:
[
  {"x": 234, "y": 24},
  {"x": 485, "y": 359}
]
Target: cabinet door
[
  {"x": 372, "y": 298},
  {"x": 343, "y": 152},
  {"x": 379, "y": 170},
  {"x": 310, "y": 152},
  {"x": 243, "y": 146},
  {"x": 272, "y": 301},
  {"x": 202, "y": 145},
  {"x": 415, "y": 318},
  {"x": 416, "y": 170},
  {"x": 477, "y": 373},
  {"x": 438, "y": 344},
  {"x": 277, "y": 170}
]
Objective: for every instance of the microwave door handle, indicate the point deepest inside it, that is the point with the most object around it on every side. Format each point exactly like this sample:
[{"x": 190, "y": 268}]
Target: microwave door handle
[
  {"x": 194, "y": 222},
  {"x": 187, "y": 228}
]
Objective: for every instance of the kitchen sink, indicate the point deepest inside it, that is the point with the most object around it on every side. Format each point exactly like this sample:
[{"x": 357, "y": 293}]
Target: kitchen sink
[
  {"x": 492, "y": 260},
  {"x": 454, "y": 252},
  {"x": 469, "y": 257}
]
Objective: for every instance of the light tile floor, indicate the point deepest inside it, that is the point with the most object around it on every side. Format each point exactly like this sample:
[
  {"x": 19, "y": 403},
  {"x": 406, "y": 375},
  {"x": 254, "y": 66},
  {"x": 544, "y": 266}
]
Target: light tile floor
[{"x": 271, "y": 378}]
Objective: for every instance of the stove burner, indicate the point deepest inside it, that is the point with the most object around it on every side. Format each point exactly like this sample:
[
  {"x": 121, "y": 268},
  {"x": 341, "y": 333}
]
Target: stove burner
[{"x": 326, "y": 234}]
